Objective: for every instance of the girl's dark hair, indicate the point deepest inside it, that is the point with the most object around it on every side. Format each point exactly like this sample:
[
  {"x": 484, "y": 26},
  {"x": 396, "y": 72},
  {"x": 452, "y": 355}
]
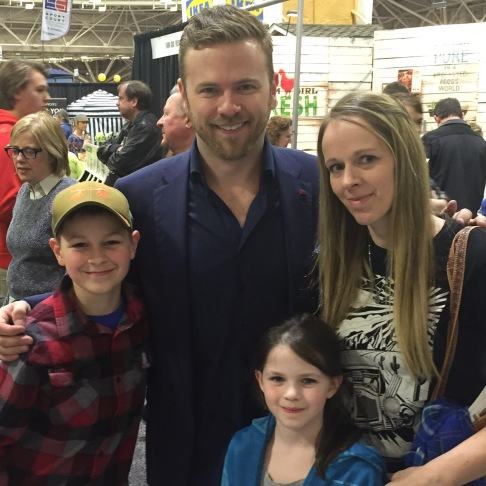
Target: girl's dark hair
[{"x": 314, "y": 341}]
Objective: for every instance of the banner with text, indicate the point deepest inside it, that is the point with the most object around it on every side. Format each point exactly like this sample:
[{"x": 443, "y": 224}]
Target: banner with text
[
  {"x": 312, "y": 102},
  {"x": 56, "y": 19}
]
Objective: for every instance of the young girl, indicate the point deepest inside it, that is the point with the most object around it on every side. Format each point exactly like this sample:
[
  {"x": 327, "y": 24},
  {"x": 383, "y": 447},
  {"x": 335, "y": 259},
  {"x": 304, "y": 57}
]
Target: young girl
[
  {"x": 382, "y": 262},
  {"x": 308, "y": 438}
]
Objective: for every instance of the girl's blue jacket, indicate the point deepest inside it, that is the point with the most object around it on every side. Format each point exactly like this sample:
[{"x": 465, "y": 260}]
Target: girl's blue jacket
[{"x": 359, "y": 465}]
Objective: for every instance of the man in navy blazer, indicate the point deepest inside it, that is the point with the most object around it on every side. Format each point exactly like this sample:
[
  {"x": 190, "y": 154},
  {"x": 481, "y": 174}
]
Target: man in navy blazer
[
  {"x": 228, "y": 236},
  {"x": 158, "y": 198},
  {"x": 228, "y": 239}
]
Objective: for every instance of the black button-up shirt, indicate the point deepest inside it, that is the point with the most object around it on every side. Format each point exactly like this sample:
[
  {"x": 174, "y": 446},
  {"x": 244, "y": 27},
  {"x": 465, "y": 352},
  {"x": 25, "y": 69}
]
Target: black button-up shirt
[{"x": 239, "y": 287}]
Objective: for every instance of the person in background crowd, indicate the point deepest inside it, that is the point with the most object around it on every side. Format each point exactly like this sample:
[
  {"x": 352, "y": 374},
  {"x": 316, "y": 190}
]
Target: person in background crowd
[
  {"x": 177, "y": 131},
  {"x": 413, "y": 105},
  {"x": 39, "y": 153},
  {"x": 63, "y": 118},
  {"x": 412, "y": 102},
  {"x": 395, "y": 87},
  {"x": 382, "y": 264},
  {"x": 279, "y": 130},
  {"x": 308, "y": 437},
  {"x": 476, "y": 128},
  {"x": 23, "y": 90},
  {"x": 138, "y": 143},
  {"x": 79, "y": 136},
  {"x": 457, "y": 156}
]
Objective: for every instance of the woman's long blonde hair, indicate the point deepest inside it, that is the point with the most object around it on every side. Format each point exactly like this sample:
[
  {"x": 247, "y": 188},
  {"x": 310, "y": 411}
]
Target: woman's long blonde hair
[{"x": 343, "y": 254}]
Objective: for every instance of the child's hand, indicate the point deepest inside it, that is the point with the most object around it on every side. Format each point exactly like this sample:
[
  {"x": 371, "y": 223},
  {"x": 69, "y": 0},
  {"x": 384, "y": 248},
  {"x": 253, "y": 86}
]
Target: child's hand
[{"x": 12, "y": 323}]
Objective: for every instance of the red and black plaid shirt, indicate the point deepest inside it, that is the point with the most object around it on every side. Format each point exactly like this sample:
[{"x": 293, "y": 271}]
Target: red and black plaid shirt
[{"x": 70, "y": 408}]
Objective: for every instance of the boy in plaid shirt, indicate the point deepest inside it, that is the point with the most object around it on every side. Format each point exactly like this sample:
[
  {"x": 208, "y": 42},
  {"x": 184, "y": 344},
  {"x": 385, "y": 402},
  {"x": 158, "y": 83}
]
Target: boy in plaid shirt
[{"x": 70, "y": 407}]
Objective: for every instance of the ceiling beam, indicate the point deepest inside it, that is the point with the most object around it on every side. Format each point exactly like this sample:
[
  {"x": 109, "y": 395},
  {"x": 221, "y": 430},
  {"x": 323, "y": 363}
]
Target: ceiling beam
[
  {"x": 12, "y": 33},
  {"x": 116, "y": 27},
  {"x": 376, "y": 17},
  {"x": 135, "y": 22},
  {"x": 108, "y": 68},
  {"x": 81, "y": 33},
  {"x": 88, "y": 67},
  {"x": 466, "y": 6},
  {"x": 394, "y": 15},
  {"x": 64, "y": 68},
  {"x": 408, "y": 10}
]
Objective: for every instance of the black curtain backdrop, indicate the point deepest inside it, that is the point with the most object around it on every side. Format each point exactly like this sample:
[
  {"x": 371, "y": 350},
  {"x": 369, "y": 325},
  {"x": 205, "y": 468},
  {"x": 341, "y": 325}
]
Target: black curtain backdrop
[
  {"x": 74, "y": 91},
  {"x": 160, "y": 74}
]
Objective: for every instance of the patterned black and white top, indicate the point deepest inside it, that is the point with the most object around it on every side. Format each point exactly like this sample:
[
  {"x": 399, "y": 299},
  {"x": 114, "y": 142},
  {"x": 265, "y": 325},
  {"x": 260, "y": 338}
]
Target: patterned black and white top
[{"x": 386, "y": 400}]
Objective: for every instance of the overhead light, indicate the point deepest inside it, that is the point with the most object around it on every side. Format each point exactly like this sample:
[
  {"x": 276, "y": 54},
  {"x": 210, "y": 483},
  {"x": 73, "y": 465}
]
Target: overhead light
[
  {"x": 292, "y": 13},
  {"x": 102, "y": 8},
  {"x": 29, "y": 6}
]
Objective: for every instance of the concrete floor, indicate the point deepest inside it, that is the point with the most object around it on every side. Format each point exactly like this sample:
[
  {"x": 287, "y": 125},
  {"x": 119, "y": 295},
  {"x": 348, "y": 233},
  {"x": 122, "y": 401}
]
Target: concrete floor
[{"x": 138, "y": 472}]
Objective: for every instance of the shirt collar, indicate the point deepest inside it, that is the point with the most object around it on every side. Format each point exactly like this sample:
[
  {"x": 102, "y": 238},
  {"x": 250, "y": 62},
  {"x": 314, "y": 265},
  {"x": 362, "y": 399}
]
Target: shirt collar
[
  {"x": 196, "y": 167},
  {"x": 71, "y": 319},
  {"x": 44, "y": 187},
  {"x": 454, "y": 120}
]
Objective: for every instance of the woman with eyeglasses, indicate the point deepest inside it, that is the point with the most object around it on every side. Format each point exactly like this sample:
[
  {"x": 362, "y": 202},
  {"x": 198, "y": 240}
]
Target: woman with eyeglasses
[{"x": 39, "y": 152}]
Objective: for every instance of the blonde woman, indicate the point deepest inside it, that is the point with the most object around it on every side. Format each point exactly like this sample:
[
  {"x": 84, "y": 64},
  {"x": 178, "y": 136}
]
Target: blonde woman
[
  {"x": 382, "y": 269},
  {"x": 39, "y": 152}
]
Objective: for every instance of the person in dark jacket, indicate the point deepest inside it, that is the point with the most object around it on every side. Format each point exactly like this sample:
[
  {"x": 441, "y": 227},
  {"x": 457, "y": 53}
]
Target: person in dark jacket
[
  {"x": 457, "y": 156},
  {"x": 138, "y": 143}
]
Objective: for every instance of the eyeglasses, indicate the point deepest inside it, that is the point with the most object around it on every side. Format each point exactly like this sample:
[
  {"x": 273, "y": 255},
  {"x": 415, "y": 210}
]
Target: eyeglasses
[{"x": 27, "y": 152}]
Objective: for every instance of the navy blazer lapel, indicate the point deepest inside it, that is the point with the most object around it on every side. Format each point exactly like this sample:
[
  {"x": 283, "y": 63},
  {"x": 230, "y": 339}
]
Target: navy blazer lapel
[
  {"x": 170, "y": 211},
  {"x": 298, "y": 198}
]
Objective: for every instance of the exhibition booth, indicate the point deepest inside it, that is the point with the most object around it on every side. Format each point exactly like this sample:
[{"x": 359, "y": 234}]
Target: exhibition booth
[{"x": 435, "y": 61}]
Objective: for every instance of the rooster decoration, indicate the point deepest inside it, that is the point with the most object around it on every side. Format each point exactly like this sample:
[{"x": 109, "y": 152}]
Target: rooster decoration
[{"x": 286, "y": 83}]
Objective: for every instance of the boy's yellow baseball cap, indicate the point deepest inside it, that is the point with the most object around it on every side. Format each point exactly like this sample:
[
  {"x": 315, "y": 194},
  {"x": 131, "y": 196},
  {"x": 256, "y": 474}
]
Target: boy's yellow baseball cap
[{"x": 90, "y": 193}]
